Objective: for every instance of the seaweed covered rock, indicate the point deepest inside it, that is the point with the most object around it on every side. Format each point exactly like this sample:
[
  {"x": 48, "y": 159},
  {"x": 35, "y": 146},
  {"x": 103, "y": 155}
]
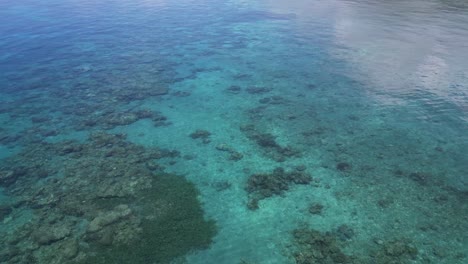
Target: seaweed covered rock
[{"x": 264, "y": 185}]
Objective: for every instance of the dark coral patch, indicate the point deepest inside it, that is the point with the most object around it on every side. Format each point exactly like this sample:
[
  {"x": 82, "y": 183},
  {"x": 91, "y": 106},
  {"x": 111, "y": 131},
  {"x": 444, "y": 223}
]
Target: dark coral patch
[
  {"x": 261, "y": 186},
  {"x": 343, "y": 166}
]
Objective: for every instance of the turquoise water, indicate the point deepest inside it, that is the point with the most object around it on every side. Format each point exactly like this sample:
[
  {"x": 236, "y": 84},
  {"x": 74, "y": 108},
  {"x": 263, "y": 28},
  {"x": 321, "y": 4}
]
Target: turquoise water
[{"x": 150, "y": 131}]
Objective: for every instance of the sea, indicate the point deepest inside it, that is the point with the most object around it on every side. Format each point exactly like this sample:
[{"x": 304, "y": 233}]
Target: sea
[{"x": 234, "y": 131}]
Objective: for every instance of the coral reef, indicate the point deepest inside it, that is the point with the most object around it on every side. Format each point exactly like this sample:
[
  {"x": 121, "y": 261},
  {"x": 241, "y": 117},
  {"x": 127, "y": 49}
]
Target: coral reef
[
  {"x": 110, "y": 119},
  {"x": 261, "y": 186},
  {"x": 221, "y": 185},
  {"x": 268, "y": 143},
  {"x": 315, "y": 247},
  {"x": 345, "y": 232},
  {"x": 273, "y": 100},
  {"x": 316, "y": 208},
  {"x": 420, "y": 178},
  {"x": 234, "y": 155},
  {"x": 5, "y": 210},
  {"x": 258, "y": 90},
  {"x": 343, "y": 166},
  {"x": 181, "y": 93},
  {"x": 172, "y": 224},
  {"x": 234, "y": 89},
  {"x": 204, "y": 135},
  {"x": 101, "y": 201},
  {"x": 394, "y": 252},
  {"x": 81, "y": 105}
]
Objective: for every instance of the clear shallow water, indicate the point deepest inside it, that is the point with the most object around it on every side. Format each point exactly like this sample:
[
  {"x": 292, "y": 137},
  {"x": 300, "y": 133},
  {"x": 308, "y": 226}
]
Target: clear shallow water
[{"x": 370, "y": 97}]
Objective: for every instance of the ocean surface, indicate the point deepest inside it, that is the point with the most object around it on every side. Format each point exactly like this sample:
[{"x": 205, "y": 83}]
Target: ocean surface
[{"x": 234, "y": 132}]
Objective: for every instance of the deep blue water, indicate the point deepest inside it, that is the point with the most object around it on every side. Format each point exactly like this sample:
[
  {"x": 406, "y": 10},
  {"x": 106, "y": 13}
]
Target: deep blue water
[{"x": 368, "y": 98}]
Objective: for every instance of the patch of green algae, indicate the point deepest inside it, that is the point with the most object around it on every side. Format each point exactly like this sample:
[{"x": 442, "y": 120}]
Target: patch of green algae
[{"x": 178, "y": 229}]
